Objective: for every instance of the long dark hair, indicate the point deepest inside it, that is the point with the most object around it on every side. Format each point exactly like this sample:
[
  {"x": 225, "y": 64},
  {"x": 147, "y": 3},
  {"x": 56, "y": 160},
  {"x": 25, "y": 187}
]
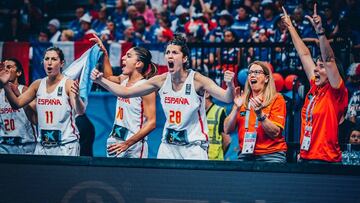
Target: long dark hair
[
  {"x": 144, "y": 55},
  {"x": 57, "y": 50},
  {"x": 179, "y": 40},
  {"x": 19, "y": 68}
]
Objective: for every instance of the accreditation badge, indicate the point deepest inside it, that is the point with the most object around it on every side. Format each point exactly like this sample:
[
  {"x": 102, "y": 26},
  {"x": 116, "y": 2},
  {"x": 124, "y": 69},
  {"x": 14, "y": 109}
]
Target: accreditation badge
[
  {"x": 249, "y": 143},
  {"x": 305, "y": 145}
]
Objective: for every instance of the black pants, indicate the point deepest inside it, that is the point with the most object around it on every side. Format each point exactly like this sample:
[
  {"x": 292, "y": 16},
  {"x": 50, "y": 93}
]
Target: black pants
[{"x": 87, "y": 135}]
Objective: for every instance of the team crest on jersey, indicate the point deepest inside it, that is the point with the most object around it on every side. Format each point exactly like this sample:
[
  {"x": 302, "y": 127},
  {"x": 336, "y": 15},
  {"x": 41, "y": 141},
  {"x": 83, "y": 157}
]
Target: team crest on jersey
[
  {"x": 59, "y": 93},
  {"x": 188, "y": 89}
]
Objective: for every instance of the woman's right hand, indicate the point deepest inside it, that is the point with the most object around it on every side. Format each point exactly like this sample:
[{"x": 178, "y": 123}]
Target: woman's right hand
[
  {"x": 239, "y": 97},
  {"x": 4, "y": 74},
  {"x": 98, "y": 41},
  {"x": 286, "y": 19},
  {"x": 96, "y": 75}
]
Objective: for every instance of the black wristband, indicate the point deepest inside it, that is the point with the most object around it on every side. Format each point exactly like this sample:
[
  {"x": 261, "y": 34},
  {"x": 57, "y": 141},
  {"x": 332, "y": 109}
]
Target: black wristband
[
  {"x": 321, "y": 34},
  {"x": 262, "y": 118}
]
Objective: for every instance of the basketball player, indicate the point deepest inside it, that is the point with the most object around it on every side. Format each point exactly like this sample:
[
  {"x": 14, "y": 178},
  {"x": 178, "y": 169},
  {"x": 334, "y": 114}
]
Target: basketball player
[
  {"x": 18, "y": 135},
  {"x": 57, "y": 100},
  {"x": 135, "y": 117},
  {"x": 182, "y": 96}
]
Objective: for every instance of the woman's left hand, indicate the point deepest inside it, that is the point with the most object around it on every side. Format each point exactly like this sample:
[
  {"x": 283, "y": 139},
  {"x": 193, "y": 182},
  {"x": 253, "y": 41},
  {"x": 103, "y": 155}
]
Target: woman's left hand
[
  {"x": 118, "y": 148},
  {"x": 315, "y": 20},
  {"x": 75, "y": 88},
  {"x": 256, "y": 103}
]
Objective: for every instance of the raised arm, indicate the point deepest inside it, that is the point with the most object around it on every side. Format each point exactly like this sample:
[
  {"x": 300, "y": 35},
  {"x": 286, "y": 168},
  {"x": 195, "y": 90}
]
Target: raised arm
[
  {"x": 301, "y": 48},
  {"x": 151, "y": 85},
  {"x": 23, "y": 99},
  {"x": 108, "y": 73},
  {"x": 327, "y": 54},
  {"x": 205, "y": 83}
]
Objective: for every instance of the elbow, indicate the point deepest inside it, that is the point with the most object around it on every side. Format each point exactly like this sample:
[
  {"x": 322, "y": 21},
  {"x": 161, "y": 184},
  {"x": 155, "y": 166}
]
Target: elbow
[
  {"x": 80, "y": 112},
  {"x": 305, "y": 53},
  {"x": 15, "y": 106},
  {"x": 274, "y": 133},
  {"x": 227, "y": 127},
  {"x": 152, "y": 124}
]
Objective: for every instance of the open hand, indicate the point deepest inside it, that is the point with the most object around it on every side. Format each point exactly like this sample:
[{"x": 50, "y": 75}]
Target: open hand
[
  {"x": 256, "y": 104},
  {"x": 75, "y": 88},
  {"x": 117, "y": 148},
  {"x": 239, "y": 97},
  {"x": 98, "y": 41}
]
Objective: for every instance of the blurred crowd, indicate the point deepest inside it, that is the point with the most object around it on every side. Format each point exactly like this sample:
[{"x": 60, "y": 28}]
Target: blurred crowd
[{"x": 154, "y": 21}]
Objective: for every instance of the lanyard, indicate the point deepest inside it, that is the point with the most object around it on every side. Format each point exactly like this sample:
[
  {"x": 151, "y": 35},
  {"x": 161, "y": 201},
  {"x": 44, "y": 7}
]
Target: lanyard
[
  {"x": 247, "y": 116},
  {"x": 310, "y": 110}
]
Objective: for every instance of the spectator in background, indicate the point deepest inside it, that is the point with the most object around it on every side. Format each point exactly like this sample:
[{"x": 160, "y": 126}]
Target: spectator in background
[
  {"x": 118, "y": 16},
  {"x": 145, "y": 11},
  {"x": 86, "y": 30},
  {"x": 141, "y": 34},
  {"x": 75, "y": 24},
  {"x": 353, "y": 84},
  {"x": 99, "y": 24},
  {"x": 15, "y": 30},
  {"x": 67, "y": 35},
  {"x": 219, "y": 141},
  {"x": 54, "y": 30},
  {"x": 254, "y": 29},
  {"x": 110, "y": 34},
  {"x": 242, "y": 23},
  {"x": 330, "y": 20},
  {"x": 227, "y": 5},
  {"x": 31, "y": 17},
  {"x": 262, "y": 52},
  {"x": 182, "y": 17},
  {"x": 225, "y": 21},
  {"x": 326, "y": 101},
  {"x": 355, "y": 136},
  {"x": 256, "y": 8},
  {"x": 301, "y": 24},
  {"x": 259, "y": 114},
  {"x": 228, "y": 58},
  {"x": 268, "y": 19},
  {"x": 43, "y": 36},
  {"x": 132, "y": 13},
  {"x": 164, "y": 35},
  {"x": 93, "y": 8}
]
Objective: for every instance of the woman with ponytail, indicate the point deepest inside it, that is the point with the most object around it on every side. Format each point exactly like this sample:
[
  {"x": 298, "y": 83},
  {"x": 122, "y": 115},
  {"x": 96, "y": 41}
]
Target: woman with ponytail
[
  {"x": 181, "y": 91},
  {"x": 135, "y": 117}
]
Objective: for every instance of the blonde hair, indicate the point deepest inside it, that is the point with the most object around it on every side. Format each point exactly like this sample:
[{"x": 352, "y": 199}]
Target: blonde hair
[
  {"x": 69, "y": 34},
  {"x": 269, "y": 92}
]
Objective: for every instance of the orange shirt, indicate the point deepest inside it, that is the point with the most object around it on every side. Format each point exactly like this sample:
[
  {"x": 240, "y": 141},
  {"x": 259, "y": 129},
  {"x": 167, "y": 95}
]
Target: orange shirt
[
  {"x": 329, "y": 106},
  {"x": 276, "y": 113}
]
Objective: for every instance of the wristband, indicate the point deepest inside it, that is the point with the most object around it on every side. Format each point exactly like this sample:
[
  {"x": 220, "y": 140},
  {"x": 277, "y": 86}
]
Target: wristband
[
  {"x": 322, "y": 32},
  {"x": 262, "y": 118}
]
